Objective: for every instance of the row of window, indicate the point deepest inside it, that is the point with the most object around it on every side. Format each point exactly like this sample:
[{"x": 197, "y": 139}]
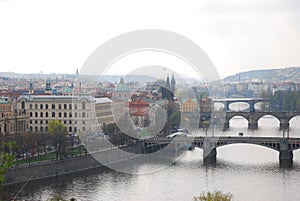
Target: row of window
[
  {"x": 46, "y": 122},
  {"x": 21, "y": 126},
  {"x": 54, "y": 106},
  {"x": 45, "y": 129},
  {"x": 60, "y": 114}
]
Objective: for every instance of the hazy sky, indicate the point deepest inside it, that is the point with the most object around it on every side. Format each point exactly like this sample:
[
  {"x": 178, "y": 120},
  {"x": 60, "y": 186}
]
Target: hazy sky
[{"x": 238, "y": 35}]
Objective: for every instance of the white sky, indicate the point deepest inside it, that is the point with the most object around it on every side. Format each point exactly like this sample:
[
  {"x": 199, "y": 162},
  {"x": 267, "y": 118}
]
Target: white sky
[{"x": 58, "y": 35}]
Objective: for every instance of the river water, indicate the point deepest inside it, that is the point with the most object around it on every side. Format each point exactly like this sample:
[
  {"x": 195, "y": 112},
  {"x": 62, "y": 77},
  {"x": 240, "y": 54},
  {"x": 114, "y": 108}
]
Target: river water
[{"x": 249, "y": 172}]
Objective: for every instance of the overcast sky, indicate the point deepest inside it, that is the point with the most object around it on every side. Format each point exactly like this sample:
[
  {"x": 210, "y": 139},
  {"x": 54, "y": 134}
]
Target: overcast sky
[{"x": 238, "y": 35}]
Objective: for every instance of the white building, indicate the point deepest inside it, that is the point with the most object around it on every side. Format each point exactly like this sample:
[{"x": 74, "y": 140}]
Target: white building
[{"x": 73, "y": 111}]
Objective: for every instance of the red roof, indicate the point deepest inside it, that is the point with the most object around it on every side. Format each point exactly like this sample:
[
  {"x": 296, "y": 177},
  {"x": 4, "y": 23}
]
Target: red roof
[
  {"x": 139, "y": 103},
  {"x": 139, "y": 113}
]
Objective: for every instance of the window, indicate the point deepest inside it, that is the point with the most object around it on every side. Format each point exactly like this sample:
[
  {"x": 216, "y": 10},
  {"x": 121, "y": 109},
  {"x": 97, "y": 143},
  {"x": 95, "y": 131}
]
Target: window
[
  {"x": 23, "y": 106},
  {"x": 35, "y": 106},
  {"x": 53, "y": 107},
  {"x": 75, "y": 129},
  {"x": 75, "y": 114},
  {"x": 36, "y": 114},
  {"x": 59, "y": 106},
  {"x": 83, "y": 122},
  {"x": 30, "y": 128},
  {"x": 30, "y": 114},
  {"x": 35, "y": 121},
  {"x": 36, "y": 129},
  {"x": 59, "y": 114},
  {"x": 65, "y": 122},
  {"x": 46, "y": 128},
  {"x": 83, "y": 105},
  {"x": 53, "y": 114},
  {"x": 46, "y": 121},
  {"x": 70, "y": 122},
  {"x": 65, "y": 106},
  {"x": 46, "y": 106},
  {"x": 65, "y": 114},
  {"x": 75, "y": 106},
  {"x": 30, "y": 106},
  {"x": 70, "y": 129},
  {"x": 70, "y": 106},
  {"x": 41, "y": 114},
  {"x": 83, "y": 114},
  {"x": 30, "y": 121},
  {"x": 70, "y": 114},
  {"x": 41, "y": 106},
  {"x": 41, "y": 129},
  {"x": 46, "y": 114},
  {"x": 41, "y": 121}
]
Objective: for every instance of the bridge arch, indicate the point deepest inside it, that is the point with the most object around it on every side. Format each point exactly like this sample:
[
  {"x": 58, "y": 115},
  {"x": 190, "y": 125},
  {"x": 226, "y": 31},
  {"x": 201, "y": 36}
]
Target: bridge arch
[
  {"x": 242, "y": 106},
  {"x": 259, "y": 116},
  {"x": 258, "y": 106},
  {"x": 239, "y": 121},
  {"x": 270, "y": 118},
  {"x": 295, "y": 121},
  {"x": 272, "y": 146},
  {"x": 244, "y": 115}
]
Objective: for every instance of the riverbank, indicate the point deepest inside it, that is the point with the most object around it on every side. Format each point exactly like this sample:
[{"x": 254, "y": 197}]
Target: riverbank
[{"x": 44, "y": 169}]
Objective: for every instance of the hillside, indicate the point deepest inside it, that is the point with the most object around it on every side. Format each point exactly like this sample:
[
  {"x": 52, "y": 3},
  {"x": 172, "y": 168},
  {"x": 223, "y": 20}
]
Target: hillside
[{"x": 267, "y": 75}]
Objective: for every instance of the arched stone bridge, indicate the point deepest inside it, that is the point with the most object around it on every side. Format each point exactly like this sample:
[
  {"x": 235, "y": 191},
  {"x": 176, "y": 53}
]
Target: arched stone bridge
[
  {"x": 285, "y": 146},
  {"x": 253, "y": 117},
  {"x": 251, "y": 102}
]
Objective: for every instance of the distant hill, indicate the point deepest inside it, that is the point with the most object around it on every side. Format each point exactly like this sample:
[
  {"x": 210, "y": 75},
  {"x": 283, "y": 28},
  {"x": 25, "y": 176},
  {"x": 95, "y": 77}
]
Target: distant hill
[{"x": 267, "y": 75}]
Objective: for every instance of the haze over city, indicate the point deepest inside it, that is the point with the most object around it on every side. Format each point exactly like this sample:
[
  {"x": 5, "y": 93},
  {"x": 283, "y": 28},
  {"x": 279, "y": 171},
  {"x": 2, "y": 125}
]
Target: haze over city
[{"x": 58, "y": 36}]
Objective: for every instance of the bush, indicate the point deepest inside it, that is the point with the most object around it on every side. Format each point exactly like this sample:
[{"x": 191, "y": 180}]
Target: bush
[{"x": 216, "y": 196}]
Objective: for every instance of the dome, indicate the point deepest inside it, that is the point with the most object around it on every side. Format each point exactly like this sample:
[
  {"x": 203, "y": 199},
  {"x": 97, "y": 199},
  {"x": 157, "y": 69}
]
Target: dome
[
  {"x": 68, "y": 90},
  {"x": 121, "y": 87}
]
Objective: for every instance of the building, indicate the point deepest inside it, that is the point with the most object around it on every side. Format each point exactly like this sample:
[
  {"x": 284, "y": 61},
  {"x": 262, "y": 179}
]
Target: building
[
  {"x": 121, "y": 91},
  {"x": 103, "y": 111},
  {"x": 73, "y": 111},
  {"x": 12, "y": 120},
  {"x": 139, "y": 112},
  {"x": 189, "y": 105}
]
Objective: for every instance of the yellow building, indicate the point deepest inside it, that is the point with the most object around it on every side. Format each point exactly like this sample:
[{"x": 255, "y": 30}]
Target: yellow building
[
  {"x": 12, "y": 120},
  {"x": 189, "y": 105}
]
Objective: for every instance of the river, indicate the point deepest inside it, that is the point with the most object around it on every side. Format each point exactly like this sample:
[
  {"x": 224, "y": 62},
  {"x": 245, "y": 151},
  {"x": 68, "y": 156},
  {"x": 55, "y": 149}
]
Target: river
[{"x": 249, "y": 172}]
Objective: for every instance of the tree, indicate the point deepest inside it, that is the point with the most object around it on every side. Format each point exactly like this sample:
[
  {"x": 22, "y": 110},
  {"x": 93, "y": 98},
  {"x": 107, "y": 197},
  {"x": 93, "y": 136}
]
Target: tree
[
  {"x": 216, "y": 196},
  {"x": 59, "y": 133},
  {"x": 6, "y": 160},
  {"x": 110, "y": 128}
]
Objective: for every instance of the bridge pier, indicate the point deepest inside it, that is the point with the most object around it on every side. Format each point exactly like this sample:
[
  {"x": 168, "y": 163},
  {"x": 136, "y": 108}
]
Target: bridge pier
[
  {"x": 251, "y": 106},
  {"x": 284, "y": 124},
  {"x": 226, "y": 125},
  {"x": 252, "y": 124},
  {"x": 209, "y": 152},
  {"x": 285, "y": 154}
]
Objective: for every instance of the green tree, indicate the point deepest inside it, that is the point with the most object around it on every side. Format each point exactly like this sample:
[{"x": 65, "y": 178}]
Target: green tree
[
  {"x": 216, "y": 196},
  {"x": 6, "y": 160},
  {"x": 110, "y": 128},
  {"x": 175, "y": 119},
  {"x": 59, "y": 134}
]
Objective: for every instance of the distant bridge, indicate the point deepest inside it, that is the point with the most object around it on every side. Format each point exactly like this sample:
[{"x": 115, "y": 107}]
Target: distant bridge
[
  {"x": 253, "y": 117},
  {"x": 251, "y": 102},
  {"x": 285, "y": 146}
]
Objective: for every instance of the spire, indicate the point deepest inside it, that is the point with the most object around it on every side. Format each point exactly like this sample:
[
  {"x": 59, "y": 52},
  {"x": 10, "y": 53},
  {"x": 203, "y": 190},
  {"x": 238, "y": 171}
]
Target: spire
[
  {"x": 31, "y": 90},
  {"x": 121, "y": 80},
  {"x": 173, "y": 82},
  {"x": 168, "y": 82}
]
